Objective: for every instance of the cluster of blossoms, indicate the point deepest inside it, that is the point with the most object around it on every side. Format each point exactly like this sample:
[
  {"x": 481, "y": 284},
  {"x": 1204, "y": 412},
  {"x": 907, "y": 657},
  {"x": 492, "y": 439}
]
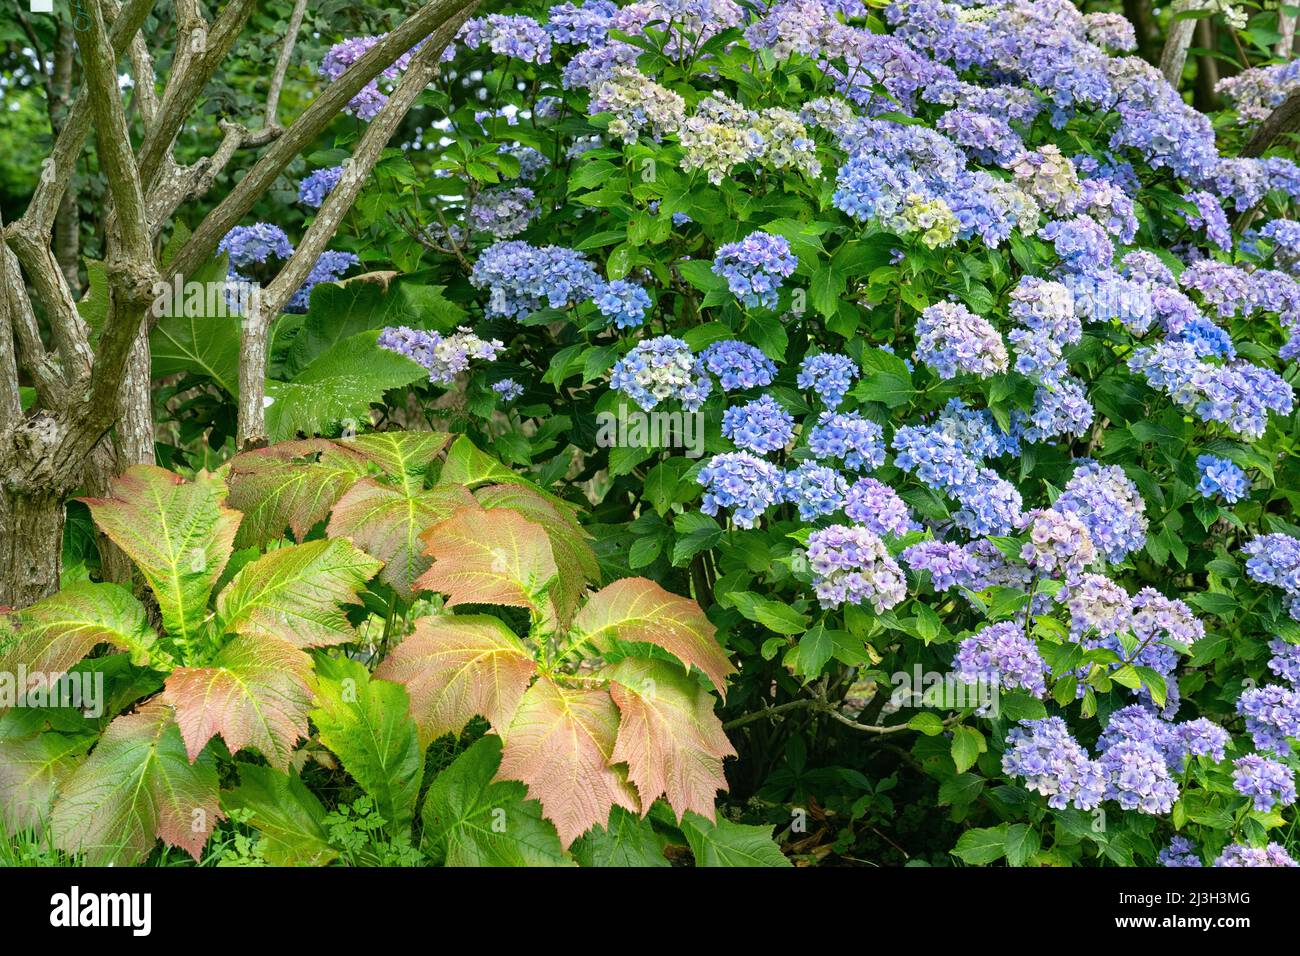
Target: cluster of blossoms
[
  {"x": 316, "y": 186},
  {"x": 1221, "y": 477},
  {"x": 754, "y": 267},
  {"x": 1275, "y": 559},
  {"x": 659, "y": 369},
  {"x": 371, "y": 99},
  {"x": 520, "y": 277},
  {"x": 248, "y": 247},
  {"x": 850, "y": 565},
  {"x": 1271, "y": 855},
  {"x": 508, "y": 389},
  {"x": 829, "y": 375},
  {"x": 739, "y": 365},
  {"x": 514, "y": 36},
  {"x": 1110, "y": 507},
  {"x": 1059, "y": 545},
  {"x": 1005, "y": 653},
  {"x": 1047, "y": 758},
  {"x": 741, "y": 483},
  {"x": 445, "y": 357},
  {"x": 1266, "y": 781},
  {"x": 760, "y": 426},
  {"x": 624, "y": 302},
  {"x": 503, "y": 212},
  {"x": 848, "y": 436},
  {"x": 952, "y": 339},
  {"x": 1272, "y": 715},
  {"x": 878, "y": 508}
]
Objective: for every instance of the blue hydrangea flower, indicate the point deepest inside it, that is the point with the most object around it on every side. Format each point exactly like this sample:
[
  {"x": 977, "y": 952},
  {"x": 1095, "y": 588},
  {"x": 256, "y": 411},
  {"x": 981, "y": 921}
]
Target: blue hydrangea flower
[
  {"x": 829, "y": 375},
  {"x": 755, "y": 266},
  {"x": 760, "y": 426},
  {"x": 508, "y": 389},
  {"x": 742, "y": 483},
  {"x": 850, "y": 437},
  {"x": 815, "y": 489},
  {"x": 624, "y": 302},
  {"x": 1221, "y": 477},
  {"x": 1004, "y": 654},
  {"x": 659, "y": 369},
  {"x": 739, "y": 365},
  {"x": 319, "y": 184}
]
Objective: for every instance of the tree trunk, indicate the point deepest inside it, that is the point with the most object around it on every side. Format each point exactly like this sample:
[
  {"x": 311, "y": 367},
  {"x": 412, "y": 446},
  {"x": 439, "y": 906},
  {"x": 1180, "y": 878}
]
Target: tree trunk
[
  {"x": 1139, "y": 14},
  {"x": 1284, "y": 119},
  {"x": 31, "y": 536},
  {"x": 1174, "y": 54},
  {"x": 1207, "y": 69}
]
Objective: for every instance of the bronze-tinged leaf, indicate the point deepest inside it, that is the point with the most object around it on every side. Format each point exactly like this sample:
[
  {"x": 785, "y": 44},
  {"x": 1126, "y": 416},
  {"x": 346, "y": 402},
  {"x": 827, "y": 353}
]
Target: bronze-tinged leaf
[
  {"x": 387, "y": 521},
  {"x": 256, "y": 693},
  {"x": 560, "y": 745},
  {"x": 275, "y": 492},
  {"x": 294, "y": 593},
  {"x": 638, "y": 610},
  {"x": 136, "y": 786},
  {"x": 31, "y": 771},
  {"x": 403, "y": 456},
  {"x": 574, "y": 557},
  {"x": 177, "y": 532},
  {"x": 466, "y": 465},
  {"x": 57, "y": 632},
  {"x": 456, "y": 668},
  {"x": 489, "y": 557},
  {"x": 669, "y": 737}
]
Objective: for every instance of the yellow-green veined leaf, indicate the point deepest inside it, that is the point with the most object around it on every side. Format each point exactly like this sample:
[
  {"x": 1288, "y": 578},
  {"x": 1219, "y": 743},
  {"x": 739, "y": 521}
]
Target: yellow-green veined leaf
[
  {"x": 367, "y": 724},
  {"x": 466, "y": 465},
  {"x": 639, "y": 610},
  {"x": 470, "y": 819},
  {"x": 404, "y": 456},
  {"x": 275, "y": 492},
  {"x": 489, "y": 557},
  {"x": 57, "y": 632},
  {"x": 136, "y": 786},
  {"x": 628, "y": 840},
  {"x": 255, "y": 693},
  {"x": 668, "y": 735},
  {"x": 294, "y": 593},
  {"x": 387, "y": 522},
  {"x": 287, "y": 815},
  {"x": 455, "y": 668},
  {"x": 731, "y": 844},
  {"x": 560, "y": 745},
  {"x": 574, "y": 559},
  {"x": 31, "y": 771},
  {"x": 178, "y": 534}
]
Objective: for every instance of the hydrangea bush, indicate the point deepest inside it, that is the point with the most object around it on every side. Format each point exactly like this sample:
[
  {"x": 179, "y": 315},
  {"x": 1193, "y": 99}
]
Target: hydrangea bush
[{"x": 941, "y": 352}]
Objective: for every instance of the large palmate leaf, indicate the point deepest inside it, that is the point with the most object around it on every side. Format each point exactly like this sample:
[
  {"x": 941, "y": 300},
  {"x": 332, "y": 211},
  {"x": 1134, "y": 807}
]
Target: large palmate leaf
[
  {"x": 136, "y": 786},
  {"x": 287, "y": 815},
  {"x": 275, "y": 492},
  {"x": 668, "y": 735},
  {"x": 575, "y": 560},
  {"x": 472, "y": 820},
  {"x": 456, "y": 668},
  {"x": 338, "y": 311},
  {"x": 636, "y": 610},
  {"x": 294, "y": 593},
  {"x": 387, "y": 521},
  {"x": 466, "y": 465},
  {"x": 255, "y": 693},
  {"x": 55, "y": 633},
  {"x": 560, "y": 744},
  {"x": 31, "y": 770},
  {"x": 178, "y": 534},
  {"x": 731, "y": 844},
  {"x": 198, "y": 333},
  {"x": 489, "y": 557},
  {"x": 628, "y": 840},
  {"x": 403, "y": 456},
  {"x": 337, "y": 387},
  {"x": 368, "y": 726}
]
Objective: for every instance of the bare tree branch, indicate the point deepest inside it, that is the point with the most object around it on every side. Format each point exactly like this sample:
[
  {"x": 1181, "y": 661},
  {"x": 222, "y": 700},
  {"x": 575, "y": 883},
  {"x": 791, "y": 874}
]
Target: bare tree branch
[
  {"x": 1174, "y": 54},
  {"x": 309, "y": 126},
  {"x": 282, "y": 65},
  {"x": 11, "y": 408},
  {"x": 252, "y": 365},
  {"x": 1284, "y": 119}
]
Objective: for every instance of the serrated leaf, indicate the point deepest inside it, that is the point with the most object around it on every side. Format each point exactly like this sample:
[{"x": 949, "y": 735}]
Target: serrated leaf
[
  {"x": 731, "y": 844},
  {"x": 960, "y": 790},
  {"x": 137, "y": 785},
  {"x": 967, "y": 744},
  {"x": 455, "y": 668},
  {"x": 275, "y": 492},
  {"x": 470, "y": 819},
  {"x": 982, "y": 846},
  {"x": 668, "y": 735},
  {"x": 403, "y": 456},
  {"x": 178, "y": 534},
  {"x": 489, "y": 557},
  {"x": 57, "y": 632},
  {"x": 466, "y": 465},
  {"x": 294, "y": 593},
  {"x": 637, "y": 610},
  {"x": 337, "y": 387},
  {"x": 560, "y": 745},
  {"x": 387, "y": 521},
  {"x": 575, "y": 561},
  {"x": 1021, "y": 843},
  {"x": 628, "y": 840},
  {"x": 287, "y": 815},
  {"x": 255, "y": 693},
  {"x": 195, "y": 335},
  {"x": 367, "y": 724},
  {"x": 32, "y": 769}
]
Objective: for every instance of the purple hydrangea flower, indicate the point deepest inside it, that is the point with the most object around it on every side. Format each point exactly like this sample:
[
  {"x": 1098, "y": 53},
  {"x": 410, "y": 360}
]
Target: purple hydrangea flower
[
  {"x": 741, "y": 482},
  {"x": 850, "y": 565},
  {"x": 754, "y": 267},
  {"x": 1266, "y": 781}
]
